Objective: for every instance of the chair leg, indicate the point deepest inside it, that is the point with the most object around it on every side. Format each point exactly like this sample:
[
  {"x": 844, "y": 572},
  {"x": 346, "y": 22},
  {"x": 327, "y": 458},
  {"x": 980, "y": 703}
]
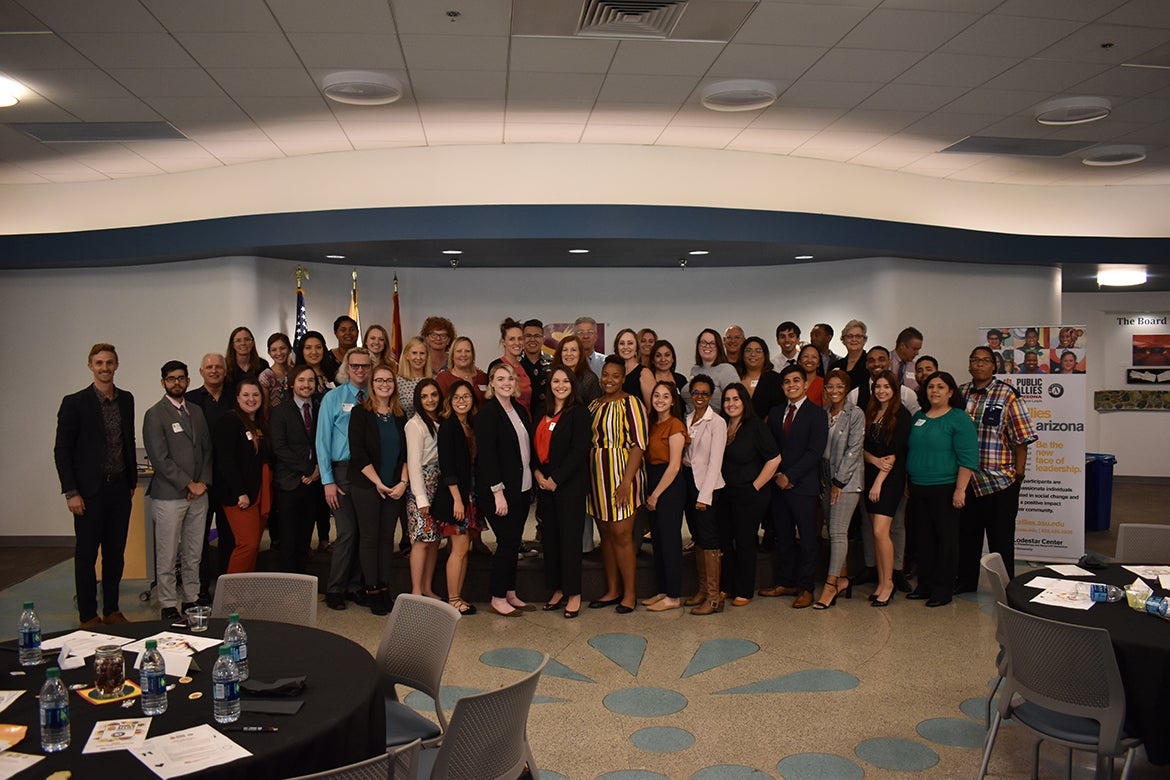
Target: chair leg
[
  {"x": 1036, "y": 760},
  {"x": 991, "y": 699},
  {"x": 992, "y": 732},
  {"x": 528, "y": 758},
  {"x": 1128, "y": 763}
]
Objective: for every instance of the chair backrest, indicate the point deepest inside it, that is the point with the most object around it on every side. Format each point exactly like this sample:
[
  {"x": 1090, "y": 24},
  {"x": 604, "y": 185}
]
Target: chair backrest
[
  {"x": 278, "y": 596},
  {"x": 1143, "y": 543},
  {"x": 400, "y": 763},
  {"x": 997, "y": 581},
  {"x": 414, "y": 646},
  {"x": 1067, "y": 668},
  {"x": 488, "y": 736}
]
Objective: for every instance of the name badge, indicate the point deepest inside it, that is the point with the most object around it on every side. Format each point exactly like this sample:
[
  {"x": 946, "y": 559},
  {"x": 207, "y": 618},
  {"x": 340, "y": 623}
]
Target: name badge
[
  {"x": 552, "y": 425},
  {"x": 347, "y": 408},
  {"x": 248, "y": 435},
  {"x": 177, "y": 427},
  {"x": 482, "y": 388},
  {"x": 755, "y": 382},
  {"x": 920, "y": 423}
]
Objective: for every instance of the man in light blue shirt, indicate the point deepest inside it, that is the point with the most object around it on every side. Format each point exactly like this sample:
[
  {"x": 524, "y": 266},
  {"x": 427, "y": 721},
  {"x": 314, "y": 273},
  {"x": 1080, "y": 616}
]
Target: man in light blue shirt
[
  {"x": 333, "y": 458},
  {"x": 586, "y": 330}
]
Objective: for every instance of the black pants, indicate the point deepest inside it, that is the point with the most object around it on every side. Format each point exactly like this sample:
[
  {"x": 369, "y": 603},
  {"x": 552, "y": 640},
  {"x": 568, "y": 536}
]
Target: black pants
[
  {"x": 794, "y": 561},
  {"x": 103, "y": 526},
  {"x": 666, "y": 527},
  {"x": 300, "y": 509},
  {"x": 741, "y": 510},
  {"x": 508, "y": 530},
  {"x": 994, "y": 515},
  {"x": 377, "y": 518},
  {"x": 562, "y": 524},
  {"x": 936, "y": 532},
  {"x": 226, "y": 542},
  {"x": 704, "y": 526}
]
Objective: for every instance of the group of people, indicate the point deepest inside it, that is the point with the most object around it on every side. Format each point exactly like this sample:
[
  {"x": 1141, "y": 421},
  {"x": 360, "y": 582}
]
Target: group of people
[{"x": 435, "y": 444}]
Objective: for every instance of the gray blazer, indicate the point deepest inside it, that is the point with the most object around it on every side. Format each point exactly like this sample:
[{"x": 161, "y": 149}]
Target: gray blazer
[
  {"x": 845, "y": 448},
  {"x": 179, "y": 452}
]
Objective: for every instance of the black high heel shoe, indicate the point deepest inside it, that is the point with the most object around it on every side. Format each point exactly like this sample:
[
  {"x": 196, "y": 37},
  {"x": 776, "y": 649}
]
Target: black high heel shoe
[
  {"x": 551, "y": 606},
  {"x": 847, "y": 591},
  {"x": 876, "y": 602},
  {"x": 821, "y": 603},
  {"x": 602, "y": 603}
]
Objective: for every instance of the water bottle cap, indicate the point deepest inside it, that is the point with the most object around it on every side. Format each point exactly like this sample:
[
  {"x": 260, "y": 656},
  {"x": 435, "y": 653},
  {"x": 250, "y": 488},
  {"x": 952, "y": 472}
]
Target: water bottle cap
[
  {"x": 151, "y": 644},
  {"x": 225, "y": 650},
  {"x": 52, "y": 672},
  {"x": 28, "y": 605},
  {"x": 234, "y": 617}
]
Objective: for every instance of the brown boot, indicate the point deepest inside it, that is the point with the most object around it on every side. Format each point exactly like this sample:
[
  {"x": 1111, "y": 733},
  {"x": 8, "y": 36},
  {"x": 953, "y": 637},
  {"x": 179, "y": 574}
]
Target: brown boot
[
  {"x": 713, "y": 600},
  {"x": 701, "y": 567}
]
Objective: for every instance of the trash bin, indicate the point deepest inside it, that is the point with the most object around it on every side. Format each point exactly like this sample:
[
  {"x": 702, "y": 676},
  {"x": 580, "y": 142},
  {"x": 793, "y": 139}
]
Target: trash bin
[{"x": 1098, "y": 490}]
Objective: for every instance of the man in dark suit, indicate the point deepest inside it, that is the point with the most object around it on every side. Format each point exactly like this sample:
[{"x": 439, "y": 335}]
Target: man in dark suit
[
  {"x": 300, "y": 497},
  {"x": 801, "y": 429},
  {"x": 95, "y": 457},
  {"x": 216, "y": 397},
  {"x": 178, "y": 443}
]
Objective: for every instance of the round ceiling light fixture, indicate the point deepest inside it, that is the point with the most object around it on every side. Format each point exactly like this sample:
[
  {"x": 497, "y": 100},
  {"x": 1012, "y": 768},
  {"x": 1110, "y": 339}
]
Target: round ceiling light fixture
[
  {"x": 10, "y": 92},
  {"x": 1121, "y": 275},
  {"x": 1062, "y": 112},
  {"x": 738, "y": 95},
  {"x": 361, "y": 88},
  {"x": 1113, "y": 155}
]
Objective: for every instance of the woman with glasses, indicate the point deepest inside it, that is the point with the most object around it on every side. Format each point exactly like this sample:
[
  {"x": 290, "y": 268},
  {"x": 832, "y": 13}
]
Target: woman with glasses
[
  {"x": 760, "y": 378},
  {"x": 702, "y": 475},
  {"x": 454, "y": 505},
  {"x": 438, "y": 333},
  {"x": 242, "y": 358},
  {"x": 854, "y": 337},
  {"x": 422, "y": 464},
  {"x": 712, "y": 361}
]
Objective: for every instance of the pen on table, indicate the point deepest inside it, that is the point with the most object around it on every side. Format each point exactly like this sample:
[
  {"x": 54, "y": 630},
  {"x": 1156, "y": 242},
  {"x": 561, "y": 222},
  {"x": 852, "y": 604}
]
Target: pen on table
[{"x": 259, "y": 729}]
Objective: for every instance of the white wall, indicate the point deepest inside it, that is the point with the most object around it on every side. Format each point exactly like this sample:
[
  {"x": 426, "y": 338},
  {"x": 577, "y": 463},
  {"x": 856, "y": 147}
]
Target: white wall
[
  {"x": 1138, "y": 439},
  {"x": 182, "y": 310}
]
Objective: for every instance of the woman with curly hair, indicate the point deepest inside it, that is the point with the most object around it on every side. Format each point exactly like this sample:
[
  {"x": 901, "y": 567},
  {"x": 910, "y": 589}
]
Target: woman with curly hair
[{"x": 438, "y": 333}]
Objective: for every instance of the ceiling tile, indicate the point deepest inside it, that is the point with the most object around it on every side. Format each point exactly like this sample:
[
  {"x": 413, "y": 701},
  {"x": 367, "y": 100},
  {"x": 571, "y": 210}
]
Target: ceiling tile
[
  {"x": 242, "y": 151},
  {"x": 240, "y": 50},
  {"x": 885, "y": 158},
  {"x": 234, "y": 16},
  {"x": 432, "y": 85},
  {"x": 208, "y": 109},
  {"x": 39, "y": 51},
  {"x": 1142, "y": 110},
  {"x": 81, "y": 173},
  {"x": 669, "y": 58},
  {"x": 906, "y": 30},
  {"x": 108, "y": 109},
  {"x": 1045, "y": 75},
  {"x": 1132, "y": 82},
  {"x": 459, "y": 133},
  {"x": 952, "y": 126},
  {"x": 455, "y": 52},
  {"x": 753, "y": 61},
  {"x": 452, "y": 111},
  {"x": 652, "y": 89},
  {"x": 694, "y": 115},
  {"x": 861, "y": 65},
  {"x": 167, "y": 82},
  {"x": 788, "y": 118},
  {"x": 809, "y": 93},
  {"x": 1141, "y": 12},
  {"x": 1009, "y": 36},
  {"x": 908, "y": 97},
  {"x": 770, "y": 141},
  {"x": 965, "y": 6},
  {"x": 633, "y": 113},
  {"x": 404, "y": 110},
  {"x": 265, "y": 82},
  {"x": 34, "y": 108},
  {"x": 885, "y": 122},
  {"x": 995, "y": 101},
  {"x": 157, "y": 150},
  {"x": 1085, "y": 45},
  {"x": 548, "y": 111},
  {"x": 347, "y": 51},
  {"x": 799, "y": 24},
  {"x": 88, "y": 16},
  {"x": 295, "y": 147},
  {"x": 13, "y": 174},
  {"x": 598, "y": 133},
  {"x": 210, "y": 132},
  {"x": 526, "y": 133},
  {"x": 1079, "y": 10},
  {"x": 403, "y": 132},
  {"x": 382, "y": 144},
  {"x": 61, "y": 83},
  {"x": 180, "y": 164},
  {"x": 366, "y": 16},
  {"x": 699, "y": 137},
  {"x": 957, "y": 70},
  {"x": 483, "y": 17},
  {"x": 554, "y": 86},
  {"x": 266, "y": 110},
  {"x": 307, "y": 131},
  {"x": 131, "y": 50},
  {"x": 557, "y": 55}
]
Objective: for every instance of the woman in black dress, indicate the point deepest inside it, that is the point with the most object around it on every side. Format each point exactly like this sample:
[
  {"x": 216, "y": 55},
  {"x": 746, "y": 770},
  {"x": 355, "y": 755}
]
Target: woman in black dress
[
  {"x": 887, "y": 430},
  {"x": 454, "y": 505}
]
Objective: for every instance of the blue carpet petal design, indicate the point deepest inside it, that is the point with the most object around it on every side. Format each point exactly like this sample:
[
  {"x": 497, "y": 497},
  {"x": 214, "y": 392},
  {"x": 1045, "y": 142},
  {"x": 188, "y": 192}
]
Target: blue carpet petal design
[
  {"x": 662, "y": 739},
  {"x": 631, "y": 774},
  {"x": 625, "y": 650},
  {"x": 818, "y": 766},
  {"x": 523, "y": 659},
  {"x": 645, "y": 702},
  {"x": 897, "y": 755},
  {"x": 448, "y": 695},
  {"x": 717, "y": 652},
  {"x": 807, "y": 681},
  {"x": 952, "y": 732}
]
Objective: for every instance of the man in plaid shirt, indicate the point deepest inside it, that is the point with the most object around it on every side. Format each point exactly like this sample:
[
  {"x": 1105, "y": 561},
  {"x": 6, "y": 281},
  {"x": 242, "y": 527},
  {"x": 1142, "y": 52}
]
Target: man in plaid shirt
[{"x": 993, "y": 498}]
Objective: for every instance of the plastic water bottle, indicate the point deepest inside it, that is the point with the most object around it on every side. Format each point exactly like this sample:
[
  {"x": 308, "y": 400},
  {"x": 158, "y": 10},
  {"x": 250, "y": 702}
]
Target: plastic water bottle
[
  {"x": 1159, "y": 606},
  {"x": 1101, "y": 592},
  {"x": 29, "y": 633},
  {"x": 152, "y": 676},
  {"x": 225, "y": 687},
  {"x": 54, "y": 712},
  {"x": 236, "y": 638}
]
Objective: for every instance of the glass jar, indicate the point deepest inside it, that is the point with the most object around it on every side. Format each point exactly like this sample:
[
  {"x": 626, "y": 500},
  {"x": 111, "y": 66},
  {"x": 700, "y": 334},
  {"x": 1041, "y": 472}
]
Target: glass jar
[{"x": 109, "y": 671}]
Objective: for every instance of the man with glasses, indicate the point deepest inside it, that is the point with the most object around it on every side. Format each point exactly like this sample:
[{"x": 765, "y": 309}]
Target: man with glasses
[
  {"x": 178, "y": 443},
  {"x": 993, "y": 497},
  {"x": 586, "y": 330},
  {"x": 333, "y": 459}
]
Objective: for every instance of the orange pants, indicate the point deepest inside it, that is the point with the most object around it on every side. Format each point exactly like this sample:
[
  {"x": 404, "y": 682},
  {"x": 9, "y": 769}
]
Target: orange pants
[{"x": 248, "y": 526}]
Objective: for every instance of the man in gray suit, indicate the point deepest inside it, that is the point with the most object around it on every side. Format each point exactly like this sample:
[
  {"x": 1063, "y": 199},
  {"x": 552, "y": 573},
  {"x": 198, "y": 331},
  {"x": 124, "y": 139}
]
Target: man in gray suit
[{"x": 178, "y": 444}]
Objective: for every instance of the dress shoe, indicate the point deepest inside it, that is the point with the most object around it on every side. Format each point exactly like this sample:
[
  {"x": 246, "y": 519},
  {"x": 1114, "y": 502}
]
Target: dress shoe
[
  {"x": 204, "y": 599},
  {"x": 357, "y": 597},
  {"x": 522, "y": 607},
  {"x": 169, "y": 614},
  {"x": 335, "y": 600},
  {"x": 740, "y": 601},
  {"x": 917, "y": 595},
  {"x": 779, "y": 590},
  {"x": 114, "y": 618},
  {"x": 187, "y": 605},
  {"x": 901, "y": 582},
  {"x": 938, "y": 602},
  {"x": 601, "y": 603},
  {"x": 653, "y": 600},
  {"x": 622, "y": 609},
  {"x": 93, "y": 622},
  {"x": 551, "y": 606},
  {"x": 662, "y": 605},
  {"x": 572, "y": 613},
  {"x": 804, "y": 599},
  {"x": 512, "y": 614},
  {"x": 876, "y": 602}
]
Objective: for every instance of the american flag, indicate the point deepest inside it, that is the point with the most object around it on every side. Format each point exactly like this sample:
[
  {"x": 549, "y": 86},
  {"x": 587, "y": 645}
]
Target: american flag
[{"x": 302, "y": 317}]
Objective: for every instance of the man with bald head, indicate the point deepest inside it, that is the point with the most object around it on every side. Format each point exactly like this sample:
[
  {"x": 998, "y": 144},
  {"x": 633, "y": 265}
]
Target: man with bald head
[
  {"x": 215, "y": 397},
  {"x": 733, "y": 344}
]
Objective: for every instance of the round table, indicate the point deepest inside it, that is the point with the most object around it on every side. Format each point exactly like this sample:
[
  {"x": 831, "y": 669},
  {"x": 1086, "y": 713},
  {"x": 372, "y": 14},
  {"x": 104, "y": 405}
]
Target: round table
[
  {"x": 1141, "y": 643},
  {"x": 342, "y": 720}
]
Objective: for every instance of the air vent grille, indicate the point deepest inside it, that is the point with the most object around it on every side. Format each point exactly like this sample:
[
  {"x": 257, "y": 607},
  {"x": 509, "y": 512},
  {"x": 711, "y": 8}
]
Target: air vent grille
[
  {"x": 97, "y": 132},
  {"x": 1016, "y": 147},
  {"x": 629, "y": 18}
]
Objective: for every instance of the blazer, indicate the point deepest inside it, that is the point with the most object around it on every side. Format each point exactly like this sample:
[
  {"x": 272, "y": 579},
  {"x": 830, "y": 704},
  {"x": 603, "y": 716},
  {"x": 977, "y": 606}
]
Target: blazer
[
  {"x": 769, "y": 392},
  {"x": 81, "y": 440},
  {"x": 455, "y": 468},
  {"x": 498, "y": 452},
  {"x": 803, "y": 448},
  {"x": 179, "y": 451},
  {"x": 845, "y": 448},
  {"x": 568, "y": 452},
  {"x": 292, "y": 446},
  {"x": 365, "y": 446},
  {"x": 704, "y": 454},
  {"x": 238, "y": 464}
]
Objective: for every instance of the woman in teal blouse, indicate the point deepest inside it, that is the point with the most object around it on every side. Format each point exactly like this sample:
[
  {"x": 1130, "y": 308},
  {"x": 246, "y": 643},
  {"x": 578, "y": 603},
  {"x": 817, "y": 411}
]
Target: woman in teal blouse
[{"x": 943, "y": 451}]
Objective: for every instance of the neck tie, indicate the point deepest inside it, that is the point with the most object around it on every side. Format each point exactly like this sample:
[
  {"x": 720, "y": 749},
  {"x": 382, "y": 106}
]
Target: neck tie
[
  {"x": 308, "y": 427},
  {"x": 788, "y": 419},
  {"x": 361, "y": 396}
]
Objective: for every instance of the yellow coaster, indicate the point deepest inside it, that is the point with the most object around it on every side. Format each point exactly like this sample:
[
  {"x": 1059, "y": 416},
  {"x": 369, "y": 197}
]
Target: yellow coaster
[{"x": 129, "y": 691}]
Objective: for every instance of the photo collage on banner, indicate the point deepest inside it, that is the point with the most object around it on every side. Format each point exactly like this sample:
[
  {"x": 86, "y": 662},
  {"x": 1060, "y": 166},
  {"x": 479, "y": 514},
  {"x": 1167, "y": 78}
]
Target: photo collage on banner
[{"x": 1046, "y": 365}]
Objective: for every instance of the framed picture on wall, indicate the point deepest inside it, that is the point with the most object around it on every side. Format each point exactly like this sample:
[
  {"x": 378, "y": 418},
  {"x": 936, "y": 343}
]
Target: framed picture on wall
[
  {"x": 1140, "y": 375},
  {"x": 1151, "y": 349}
]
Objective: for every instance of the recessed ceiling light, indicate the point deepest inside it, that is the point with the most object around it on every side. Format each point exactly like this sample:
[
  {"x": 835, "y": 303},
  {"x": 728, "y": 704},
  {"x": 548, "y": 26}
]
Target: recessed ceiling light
[
  {"x": 1073, "y": 111},
  {"x": 452, "y": 251},
  {"x": 578, "y": 251},
  {"x": 803, "y": 257},
  {"x": 1121, "y": 275},
  {"x": 10, "y": 92},
  {"x": 698, "y": 252},
  {"x": 334, "y": 257},
  {"x": 738, "y": 95},
  {"x": 361, "y": 88},
  {"x": 1113, "y": 155}
]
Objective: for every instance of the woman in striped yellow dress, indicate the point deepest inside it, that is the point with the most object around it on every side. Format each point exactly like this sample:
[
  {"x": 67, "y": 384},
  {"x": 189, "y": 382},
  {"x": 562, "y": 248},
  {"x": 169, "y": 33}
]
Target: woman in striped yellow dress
[{"x": 616, "y": 482}]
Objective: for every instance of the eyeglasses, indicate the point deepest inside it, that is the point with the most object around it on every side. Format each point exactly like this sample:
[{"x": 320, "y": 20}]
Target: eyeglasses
[
  {"x": 243, "y": 340},
  {"x": 176, "y": 380},
  {"x": 461, "y": 398},
  {"x": 438, "y": 334},
  {"x": 360, "y": 366},
  {"x": 383, "y": 380},
  {"x": 980, "y": 361},
  {"x": 706, "y": 343},
  {"x": 586, "y": 333},
  {"x": 700, "y": 394},
  {"x": 753, "y": 351},
  {"x": 854, "y": 335}
]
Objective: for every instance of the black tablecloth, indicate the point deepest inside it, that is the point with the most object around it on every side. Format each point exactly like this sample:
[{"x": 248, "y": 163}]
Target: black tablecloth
[
  {"x": 1142, "y": 646},
  {"x": 342, "y": 720}
]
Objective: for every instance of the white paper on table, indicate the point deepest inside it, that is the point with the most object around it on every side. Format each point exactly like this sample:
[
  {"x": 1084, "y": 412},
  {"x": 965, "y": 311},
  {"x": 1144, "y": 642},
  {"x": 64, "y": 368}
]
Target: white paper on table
[
  {"x": 183, "y": 752},
  {"x": 1164, "y": 581},
  {"x": 67, "y": 658},
  {"x": 1070, "y": 570},
  {"x": 7, "y": 697},
  {"x": 110, "y": 735},
  {"x": 1062, "y": 599},
  {"x": 169, "y": 641},
  {"x": 1055, "y": 585},
  {"x": 176, "y": 664},
  {"x": 83, "y": 643},
  {"x": 12, "y": 763},
  {"x": 1148, "y": 572}
]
